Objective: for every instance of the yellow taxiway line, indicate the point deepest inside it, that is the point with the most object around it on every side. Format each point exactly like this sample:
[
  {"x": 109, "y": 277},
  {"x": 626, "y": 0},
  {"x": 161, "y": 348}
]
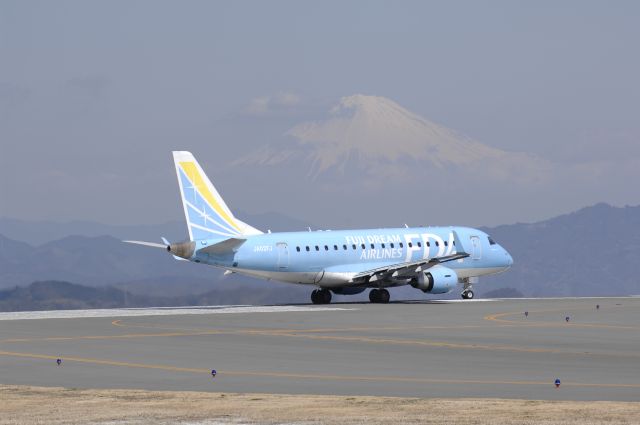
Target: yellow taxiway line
[{"x": 312, "y": 334}]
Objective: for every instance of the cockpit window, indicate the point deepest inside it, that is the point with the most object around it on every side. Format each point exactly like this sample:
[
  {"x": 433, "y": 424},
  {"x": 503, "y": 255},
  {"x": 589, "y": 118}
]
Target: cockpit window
[{"x": 491, "y": 241}]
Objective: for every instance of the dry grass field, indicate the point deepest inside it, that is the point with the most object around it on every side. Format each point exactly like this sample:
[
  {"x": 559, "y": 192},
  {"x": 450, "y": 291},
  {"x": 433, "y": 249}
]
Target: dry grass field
[{"x": 39, "y": 405}]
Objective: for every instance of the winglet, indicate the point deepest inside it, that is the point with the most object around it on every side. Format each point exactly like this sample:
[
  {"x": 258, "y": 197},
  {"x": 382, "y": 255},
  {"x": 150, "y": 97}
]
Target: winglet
[{"x": 460, "y": 249}]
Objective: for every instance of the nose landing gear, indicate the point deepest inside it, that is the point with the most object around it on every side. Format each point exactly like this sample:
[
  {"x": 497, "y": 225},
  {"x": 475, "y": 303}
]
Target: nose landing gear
[
  {"x": 321, "y": 296},
  {"x": 379, "y": 296}
]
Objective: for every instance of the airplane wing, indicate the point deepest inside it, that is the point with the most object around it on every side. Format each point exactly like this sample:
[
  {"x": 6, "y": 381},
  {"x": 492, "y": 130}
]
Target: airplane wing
[
  {"x": 408, "y": 270},
  {"x": 405, "y": 270}
]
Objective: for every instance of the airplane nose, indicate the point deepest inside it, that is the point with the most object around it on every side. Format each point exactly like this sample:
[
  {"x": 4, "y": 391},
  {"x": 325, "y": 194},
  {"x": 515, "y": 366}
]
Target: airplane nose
[{"x": 509, "y": 258}]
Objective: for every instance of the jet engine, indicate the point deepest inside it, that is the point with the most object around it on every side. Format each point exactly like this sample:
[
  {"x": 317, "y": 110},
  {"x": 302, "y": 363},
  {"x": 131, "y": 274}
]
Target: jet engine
[
  {"x": 436, "y": 280},
  {"x": 182, "y": 249}
]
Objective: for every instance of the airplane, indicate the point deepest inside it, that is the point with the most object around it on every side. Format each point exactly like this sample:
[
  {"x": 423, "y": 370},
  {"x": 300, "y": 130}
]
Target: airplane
[{"x": 346, "y": 262}]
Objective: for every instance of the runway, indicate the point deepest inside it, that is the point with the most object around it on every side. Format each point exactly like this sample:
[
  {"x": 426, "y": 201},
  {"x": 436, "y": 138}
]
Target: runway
[{"x": 410, "y": 349}]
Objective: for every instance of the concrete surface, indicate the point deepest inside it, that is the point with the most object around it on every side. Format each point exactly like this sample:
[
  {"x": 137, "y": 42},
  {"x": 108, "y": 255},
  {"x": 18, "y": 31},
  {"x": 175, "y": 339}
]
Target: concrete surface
[{"x": 424, "y": 349}]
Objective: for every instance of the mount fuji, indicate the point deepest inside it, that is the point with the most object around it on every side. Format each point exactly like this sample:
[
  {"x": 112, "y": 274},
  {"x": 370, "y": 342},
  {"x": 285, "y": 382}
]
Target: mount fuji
[
  {"x": 369, "y": 161},
  {"x": 377, "y": 136}
]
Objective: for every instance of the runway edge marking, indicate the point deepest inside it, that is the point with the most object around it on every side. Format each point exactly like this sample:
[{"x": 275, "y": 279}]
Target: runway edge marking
[{"x": 173, "y": 311}]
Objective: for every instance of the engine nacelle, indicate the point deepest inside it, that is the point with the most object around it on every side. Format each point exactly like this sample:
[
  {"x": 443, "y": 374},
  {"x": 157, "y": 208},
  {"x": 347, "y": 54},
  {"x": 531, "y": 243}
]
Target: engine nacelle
[
  {"x": 182, "y": 249},
  {"x": 436, "y": 280}
]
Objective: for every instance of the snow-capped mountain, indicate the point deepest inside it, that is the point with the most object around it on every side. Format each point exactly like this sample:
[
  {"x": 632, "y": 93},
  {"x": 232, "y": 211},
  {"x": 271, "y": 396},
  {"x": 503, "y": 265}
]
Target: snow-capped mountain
[
  {"x": 370, "y": 159},
  {"x": 375, "y": 133}
]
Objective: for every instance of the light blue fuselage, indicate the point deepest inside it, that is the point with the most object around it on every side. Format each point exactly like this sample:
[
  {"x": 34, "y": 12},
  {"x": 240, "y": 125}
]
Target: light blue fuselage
[{"x": 330, "y": 259}]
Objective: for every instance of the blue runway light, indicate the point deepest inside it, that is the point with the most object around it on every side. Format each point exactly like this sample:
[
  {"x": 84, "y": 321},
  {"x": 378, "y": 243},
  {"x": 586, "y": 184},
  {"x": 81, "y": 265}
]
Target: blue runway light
[
  {"x": 557, "y": 383},
  {"x": 213, "y": 373},
  {"x": 59, "y": 361},
  {"x": 597, "y": 306},
  {"x": 567, "y": 319},
  {"x": 526, "y": 314}
]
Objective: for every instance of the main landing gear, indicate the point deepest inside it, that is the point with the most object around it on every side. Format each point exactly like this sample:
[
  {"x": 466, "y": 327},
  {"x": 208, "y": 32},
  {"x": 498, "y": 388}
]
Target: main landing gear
[
  {"x": 467, "y": 290},
  {"x": 467, "y": 294},
  {"x": 321, "y": 296},
  {"x": 379, "y": 296}
]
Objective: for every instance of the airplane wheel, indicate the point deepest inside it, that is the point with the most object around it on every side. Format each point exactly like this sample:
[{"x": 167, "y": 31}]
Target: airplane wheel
[
  {"x": 325, "y": 296},
  {"x": 314, "y": 297},
  {"x": 373, "y": 295},
  {"x": 383, "y": 296},
  {"x": 467, "y": 295}
]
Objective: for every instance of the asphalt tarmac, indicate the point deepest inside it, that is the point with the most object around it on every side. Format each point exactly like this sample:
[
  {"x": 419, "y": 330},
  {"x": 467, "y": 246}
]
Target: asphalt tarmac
[{"x": 480, "y": 348}]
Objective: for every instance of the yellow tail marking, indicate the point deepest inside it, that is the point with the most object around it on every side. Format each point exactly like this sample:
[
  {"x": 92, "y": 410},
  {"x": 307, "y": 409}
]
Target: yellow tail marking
[{"x": 196, "y": 179}]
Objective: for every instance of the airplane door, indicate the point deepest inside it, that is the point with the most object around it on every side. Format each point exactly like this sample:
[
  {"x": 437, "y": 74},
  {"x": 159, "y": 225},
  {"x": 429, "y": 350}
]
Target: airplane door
[
  {"x": 283, "y": 255},
  {"x": 476, "y": 248}
]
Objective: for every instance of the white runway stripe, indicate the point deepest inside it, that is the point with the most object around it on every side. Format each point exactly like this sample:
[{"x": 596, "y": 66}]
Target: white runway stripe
[{"x": 161, "y": 311}]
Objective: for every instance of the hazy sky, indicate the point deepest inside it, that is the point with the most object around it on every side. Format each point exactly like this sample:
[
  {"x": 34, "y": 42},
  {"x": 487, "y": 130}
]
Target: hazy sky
[{"x": 95, "y": 95}]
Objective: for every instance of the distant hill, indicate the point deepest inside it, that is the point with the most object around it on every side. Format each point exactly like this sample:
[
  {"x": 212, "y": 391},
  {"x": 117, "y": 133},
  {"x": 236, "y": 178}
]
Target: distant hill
[
  {"x": 81, "y": 251},
  {"x": 55, "y": 295},
  {"x": 96, "y": 261},
  {"x": 59, "y": 295},
  {"x": 592, "y": 251},
  {"x": 40, "y": 232}
]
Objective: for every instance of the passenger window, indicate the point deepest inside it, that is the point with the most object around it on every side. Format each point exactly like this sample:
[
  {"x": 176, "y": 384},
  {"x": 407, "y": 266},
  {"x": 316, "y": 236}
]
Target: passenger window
[
  {"x": 344, "y": 247},
  {"x": 437, "y": 243},
  {"x": 317, "y": 248},
  {"x": 373, "y": 246},
  {"x": 428, "y": 243},
  {"x": 307, "y": 249},
  {"x": 391, "y": 244},
  {"x": 382, "y": 246},
  {"x": 419, "y": 244},
  {"x": 453, "y": 243},
  {"x": 446, "y": 243},
  {"x": 354, "y": 246},
  {"x": 335, "y": 247},
  {"x": 364, "y": 247},
  {"x": 298, "y": 248},
  {"x": 401, "y": 245},
  {"x": 410, "y": 245},
  {"x": 326, "y": 248}
]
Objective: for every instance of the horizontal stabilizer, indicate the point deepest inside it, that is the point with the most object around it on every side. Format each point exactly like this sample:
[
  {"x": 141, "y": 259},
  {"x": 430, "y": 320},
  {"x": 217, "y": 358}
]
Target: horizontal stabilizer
[
  {"x": 166, "y": 246},
  {"x": 151, "y": 244},
  {"x": 224, "y": 247}
]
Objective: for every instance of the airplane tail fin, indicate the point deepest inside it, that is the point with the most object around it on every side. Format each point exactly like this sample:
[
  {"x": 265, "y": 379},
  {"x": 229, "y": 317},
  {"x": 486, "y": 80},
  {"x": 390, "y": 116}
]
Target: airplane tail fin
[{"x": 206, "y": 212}]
